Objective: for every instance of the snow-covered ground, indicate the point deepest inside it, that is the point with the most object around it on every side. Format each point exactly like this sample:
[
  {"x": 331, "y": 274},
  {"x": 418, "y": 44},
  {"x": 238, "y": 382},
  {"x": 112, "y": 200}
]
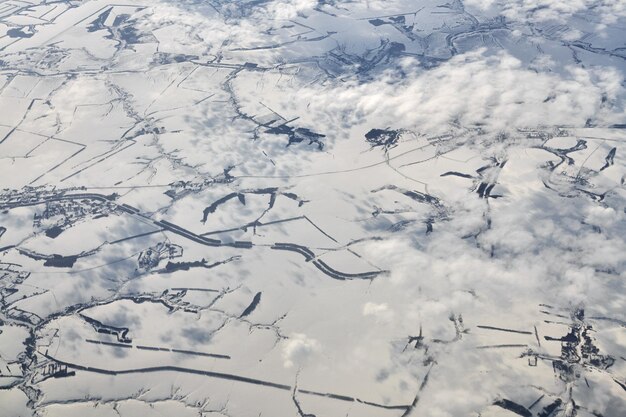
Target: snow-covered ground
[{"x": 313, "y": 208}]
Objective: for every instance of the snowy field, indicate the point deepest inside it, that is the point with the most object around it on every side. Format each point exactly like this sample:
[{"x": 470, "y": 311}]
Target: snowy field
[{"x": 313, "y": 208}]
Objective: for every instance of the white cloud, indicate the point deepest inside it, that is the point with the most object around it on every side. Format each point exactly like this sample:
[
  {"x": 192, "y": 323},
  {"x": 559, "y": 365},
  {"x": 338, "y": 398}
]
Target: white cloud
[
  {"x": 380, "y": 312},
  {"x": 298, "y": 350},
  {"x": 495, "y": 91},
  {"x": 558, "y": 10},
  {"x": 289, "y": 9},
  {"x": 603, "y": 217}
]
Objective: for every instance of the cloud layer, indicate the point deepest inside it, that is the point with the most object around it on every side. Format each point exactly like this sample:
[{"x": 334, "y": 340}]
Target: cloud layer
[{"x": 495, "y": 92}]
